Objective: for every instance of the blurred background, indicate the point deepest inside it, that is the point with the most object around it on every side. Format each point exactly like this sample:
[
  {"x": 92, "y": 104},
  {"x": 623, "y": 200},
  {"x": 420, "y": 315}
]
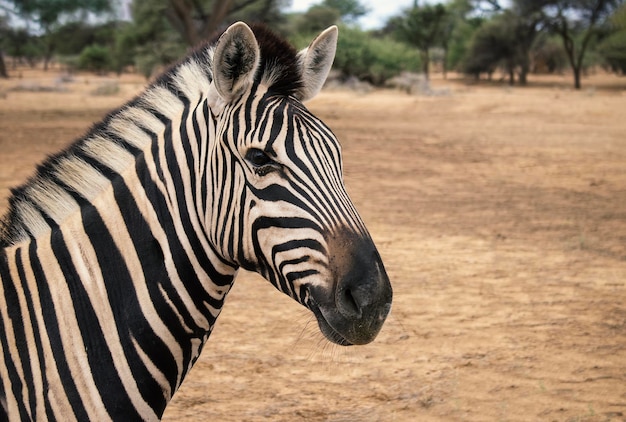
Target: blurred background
[{"x": 380, "y": 39}]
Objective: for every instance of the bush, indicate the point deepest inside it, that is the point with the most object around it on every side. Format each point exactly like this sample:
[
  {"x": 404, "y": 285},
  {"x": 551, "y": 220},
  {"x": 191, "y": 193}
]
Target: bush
[
  {"x": 495, "y": 44},
  {"x": 373, "y": 59},
  {"x": 459, "y": 41},
  {"x": 613, "y": 51},
  {"x": 548, "y": 55},
  {"x": 368, "y": 58},
  {"x": 613, "y": 48},
  {"x": 389, "y": 58},
  {"x": 95, "y": 58},
  {"x": 316, "y": 19}
]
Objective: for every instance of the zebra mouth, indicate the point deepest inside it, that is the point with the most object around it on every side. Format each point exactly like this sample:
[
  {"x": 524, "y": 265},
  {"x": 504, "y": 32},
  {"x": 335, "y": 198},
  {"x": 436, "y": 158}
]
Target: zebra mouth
[{"x": 329, "y": 332}]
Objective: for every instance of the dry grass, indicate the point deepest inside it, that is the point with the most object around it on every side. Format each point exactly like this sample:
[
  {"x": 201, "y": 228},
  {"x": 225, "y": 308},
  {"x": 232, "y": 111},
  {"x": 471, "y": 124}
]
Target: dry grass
[{"x": 500, "y": 214}]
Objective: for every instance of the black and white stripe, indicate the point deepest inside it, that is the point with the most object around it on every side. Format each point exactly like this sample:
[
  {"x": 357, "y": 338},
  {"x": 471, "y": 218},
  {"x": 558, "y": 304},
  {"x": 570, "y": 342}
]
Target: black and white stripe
[{"x": 118, "y": 254}]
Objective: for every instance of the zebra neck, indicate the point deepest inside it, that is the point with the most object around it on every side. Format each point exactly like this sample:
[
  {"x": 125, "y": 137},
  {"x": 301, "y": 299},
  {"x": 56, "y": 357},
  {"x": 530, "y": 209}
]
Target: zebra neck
[
  {"x": 119, "y": 258},
  {"x": 108, "y": 240},
  {"x": 114, "y": 317},
  {"x": 123, "y": 289}
]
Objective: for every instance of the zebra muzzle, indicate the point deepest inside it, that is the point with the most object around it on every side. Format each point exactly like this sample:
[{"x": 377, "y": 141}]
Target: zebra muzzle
[{"x": 354, "y": 306}]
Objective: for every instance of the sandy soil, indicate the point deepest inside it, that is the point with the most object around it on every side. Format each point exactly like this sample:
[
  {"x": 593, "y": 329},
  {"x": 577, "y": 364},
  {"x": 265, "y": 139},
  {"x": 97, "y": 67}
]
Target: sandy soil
[{"x": 500, "y": 214}]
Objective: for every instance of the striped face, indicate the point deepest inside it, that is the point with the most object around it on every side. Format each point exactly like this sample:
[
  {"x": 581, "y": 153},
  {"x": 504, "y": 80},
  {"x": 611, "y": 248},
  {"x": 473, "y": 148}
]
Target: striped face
[{"x": 286, "y": 214}]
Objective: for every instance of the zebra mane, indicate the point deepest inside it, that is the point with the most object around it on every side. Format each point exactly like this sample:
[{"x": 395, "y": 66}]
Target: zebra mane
[
  {"x": 280, "y": 67},
  {"x": 61, "y": 177}
]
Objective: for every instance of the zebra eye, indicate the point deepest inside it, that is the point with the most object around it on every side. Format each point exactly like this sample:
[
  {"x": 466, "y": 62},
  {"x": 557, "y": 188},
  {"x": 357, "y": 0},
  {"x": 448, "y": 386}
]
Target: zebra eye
[{"x": 258, "y": 157}]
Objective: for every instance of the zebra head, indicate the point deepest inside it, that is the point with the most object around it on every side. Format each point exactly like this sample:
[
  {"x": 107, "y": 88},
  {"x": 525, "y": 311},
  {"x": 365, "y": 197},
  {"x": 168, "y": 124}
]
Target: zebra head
[{"x": 277, "y": 204}]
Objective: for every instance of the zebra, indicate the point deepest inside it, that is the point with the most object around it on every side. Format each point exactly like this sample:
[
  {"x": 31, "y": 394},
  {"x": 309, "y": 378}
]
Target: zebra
[{"x": 117, "y": 255}]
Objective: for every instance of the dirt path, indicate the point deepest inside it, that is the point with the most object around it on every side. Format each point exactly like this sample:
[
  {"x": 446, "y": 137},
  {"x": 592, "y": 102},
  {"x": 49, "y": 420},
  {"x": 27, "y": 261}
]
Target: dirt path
[{"x": 501, "y": 217}]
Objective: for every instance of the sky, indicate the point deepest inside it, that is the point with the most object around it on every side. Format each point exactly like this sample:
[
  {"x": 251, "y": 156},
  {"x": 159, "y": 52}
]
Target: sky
[{"x": 380, "y": 10}]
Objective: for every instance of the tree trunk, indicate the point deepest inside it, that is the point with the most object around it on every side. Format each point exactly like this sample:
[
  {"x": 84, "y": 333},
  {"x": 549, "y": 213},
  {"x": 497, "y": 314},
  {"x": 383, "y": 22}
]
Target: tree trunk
[
  {"x": 49, "y": 50},
  {"x": 524, "y": 58},
  {"x": 445, "y": 62},
  {"x": 510, "y": 68},
  {"x": 576, "y": 60},
  {"x": 523, "y": 73},
  {"x": 180, "y": 16},
  {"x": 577, "y": 71},
  {"x": 426, "y": 63},
  {"x": 3, "y": 68},
  {"x": 568, "y": 44}
]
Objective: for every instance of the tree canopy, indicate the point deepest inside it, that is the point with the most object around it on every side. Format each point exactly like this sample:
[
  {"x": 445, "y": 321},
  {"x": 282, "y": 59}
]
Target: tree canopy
[{"x": 422, "y": 27}]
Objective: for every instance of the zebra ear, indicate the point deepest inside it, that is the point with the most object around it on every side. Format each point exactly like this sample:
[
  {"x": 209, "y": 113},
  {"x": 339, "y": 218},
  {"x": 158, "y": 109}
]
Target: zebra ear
[
  {"x": 316, "y": 61},
  {"x": 235, "y": 61}
]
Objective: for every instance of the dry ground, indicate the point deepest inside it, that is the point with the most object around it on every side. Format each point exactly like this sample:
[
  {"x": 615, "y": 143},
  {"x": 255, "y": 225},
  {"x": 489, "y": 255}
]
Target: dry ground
[{"x": 501, "y": 217}]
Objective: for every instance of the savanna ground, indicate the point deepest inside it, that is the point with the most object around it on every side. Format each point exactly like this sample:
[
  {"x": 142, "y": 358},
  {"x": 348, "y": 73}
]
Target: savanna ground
[{"x": 500, "y": 214}]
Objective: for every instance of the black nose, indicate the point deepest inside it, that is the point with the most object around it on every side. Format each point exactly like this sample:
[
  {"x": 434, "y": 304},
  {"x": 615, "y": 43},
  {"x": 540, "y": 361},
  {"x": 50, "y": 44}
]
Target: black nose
[
  {"x": 355, "y": 304},
  {"x": 363, "y": 286}
]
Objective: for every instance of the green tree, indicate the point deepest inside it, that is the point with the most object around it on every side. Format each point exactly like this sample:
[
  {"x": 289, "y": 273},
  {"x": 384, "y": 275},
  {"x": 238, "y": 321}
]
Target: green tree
[
  {"x": 520, "y": 22},
  {"x": 150, "y": 40},
  {"x": 613, "y": 47},
  {"x": 21, "y": 45},
  {"x": 267, "y": 11},
  {"x": 72, "y": 37},
  {"x": 578, "y": 23},
  {"x": 349, "y": 10},
  {"x": 526, "y": 19},
  {"x": 197, "y": 20},
  {"x": 456, "y": 29},
  {"x": 4, "y": 28},
  {"x": 47, "y": 14},
  {"x": 96, "y": 58},
  {"x": 493, "y": 45},
  {"x": 463, "y": 23},
  {"x": 421, "y": 27},
  {"x": 371, "y": 58},
  {"x": 162, "y": 30},
  {"x": 316, "y": 19}
]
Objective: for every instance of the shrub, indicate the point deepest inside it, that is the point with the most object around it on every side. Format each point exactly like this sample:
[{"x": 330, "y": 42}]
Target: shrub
[
  {"x": 367, "y": 57},
  {"x": 95, "y": 58},
  {"x": 613, "y": 51},
  {"x": 390, "y": 58},
  {"x": 613, "y": 48},
  {"x": 492, "y": 45},
  {"x": 548, "y": 55},
  {"x": 459, "y": 45},
  {"x": 316, "y": 19}
]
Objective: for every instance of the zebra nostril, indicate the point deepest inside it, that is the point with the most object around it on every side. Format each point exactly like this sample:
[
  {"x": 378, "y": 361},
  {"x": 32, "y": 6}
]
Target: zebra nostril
[{"x": 349, "y": 304}]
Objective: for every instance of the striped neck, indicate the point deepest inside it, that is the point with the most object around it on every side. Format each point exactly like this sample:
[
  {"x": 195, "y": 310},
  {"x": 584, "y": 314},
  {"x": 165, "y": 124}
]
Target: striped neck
[{"x": 122, "y": 212}]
